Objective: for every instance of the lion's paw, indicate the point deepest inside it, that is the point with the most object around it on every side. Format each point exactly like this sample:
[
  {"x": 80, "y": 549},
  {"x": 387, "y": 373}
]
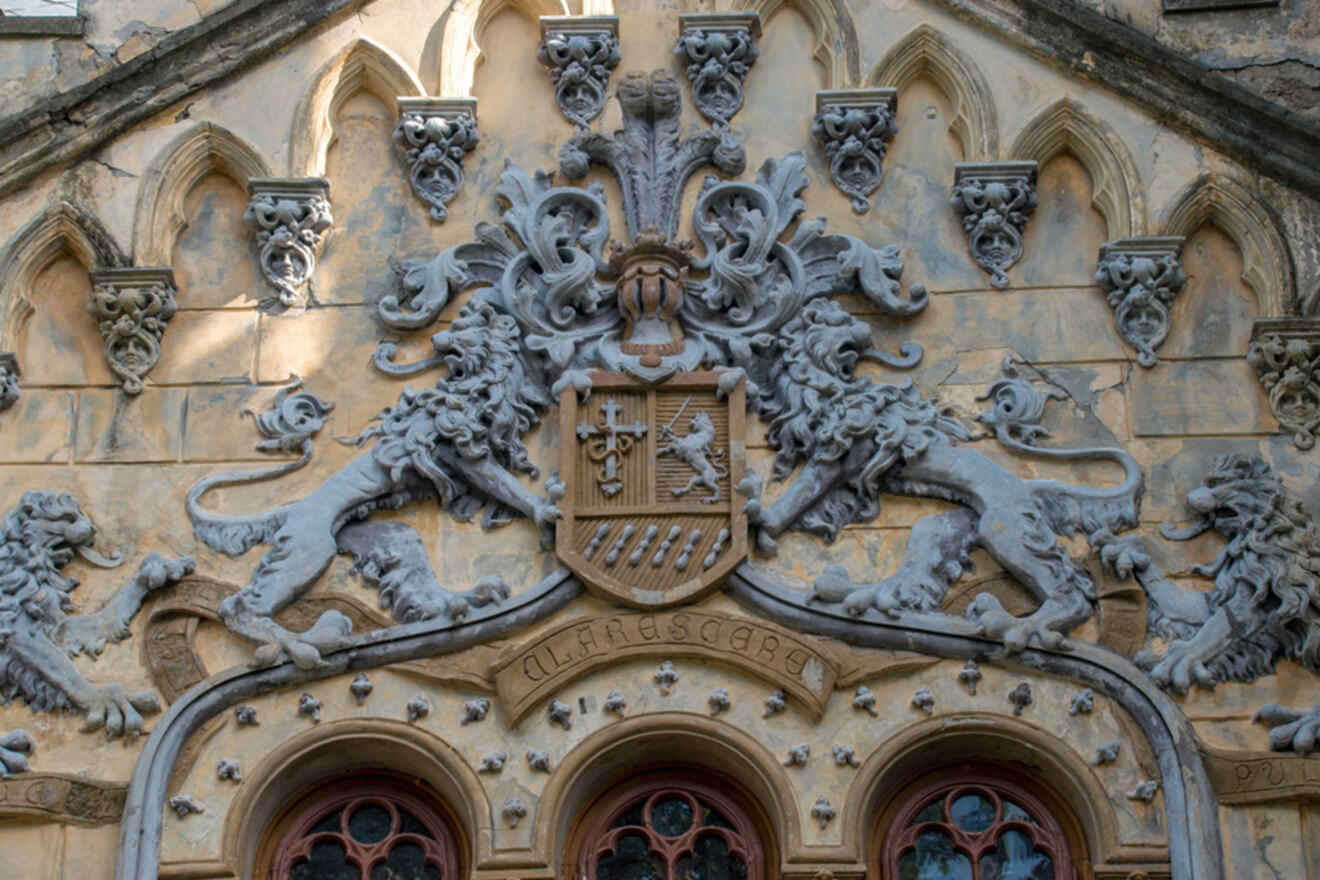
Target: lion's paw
[
  {"x": 330, "y": 633},
  {"x": 1017, "y": 633},
  {"x": 119, "y": 711},
  {"x": 14, "y": 750},
  {"x": 1181, "y": 667},
  {"x": 1290, "y": 731}
]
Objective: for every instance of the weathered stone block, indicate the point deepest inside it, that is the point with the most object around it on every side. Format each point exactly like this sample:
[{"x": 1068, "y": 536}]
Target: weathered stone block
[
  {"x": 115, "y": 427},
  {"x": 1198, "y": 397},
  {"x": 211, "y": 346}
]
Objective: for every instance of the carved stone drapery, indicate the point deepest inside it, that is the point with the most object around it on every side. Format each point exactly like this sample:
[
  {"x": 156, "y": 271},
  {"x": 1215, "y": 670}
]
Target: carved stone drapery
[
  {"x": 853, "y": 127},
  {"x": 1141, "y": 277},
  {"x": 9, "y": 376},
  {"x": 580, "y": 52},
  {"x": 717, "y": 49},
  {"x": 433, "y": 135},
  {"x": 132, "y": 307},
  {"x": 1285, "y": 353},
  {"x": 994, "y": 200},
  {"x": 291, "y": 218}
]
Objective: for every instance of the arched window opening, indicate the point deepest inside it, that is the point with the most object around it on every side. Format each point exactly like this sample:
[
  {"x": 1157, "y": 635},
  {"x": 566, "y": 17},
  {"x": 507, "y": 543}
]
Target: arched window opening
[
  {"x": 364, "y": 827},
  {"x": 977, "y": 824},
  {"x": 669, "y": 826}
]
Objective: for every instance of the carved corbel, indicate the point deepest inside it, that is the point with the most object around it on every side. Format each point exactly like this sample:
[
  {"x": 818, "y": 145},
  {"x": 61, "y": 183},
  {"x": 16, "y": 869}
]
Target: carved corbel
[
  {"x": 433, "y": 135},
  {"x": 291, "y": 218},
  {"x": 9, "y": 376},
  {"x": 1141, "y": 277},
  {"x": 132, "y": 307},
  {"x": 1285, "y": 352},
  {"x": 994, "y": 200},
  {"x": 580, "y": 52},
  {"x": 853, "y": 128},
  {"x": 717, "y": 49}
]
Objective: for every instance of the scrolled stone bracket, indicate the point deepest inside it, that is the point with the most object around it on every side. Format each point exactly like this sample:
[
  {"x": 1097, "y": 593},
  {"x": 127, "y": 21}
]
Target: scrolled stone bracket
[
  {"x": 1285, "y": 353},
  {"x": 580, "y": 52},
  {"x": 994, "y": 200},
  {"x": 291, "y": 219},
  {"x": 717, "y": 49},
  {"x": 1141, "y": 277},
  {"x": 9, "y": 376},
  {"x": 853, "y": 128},
  {"x": 132, "y": 306},
  {"x": 433, "y": 135}
]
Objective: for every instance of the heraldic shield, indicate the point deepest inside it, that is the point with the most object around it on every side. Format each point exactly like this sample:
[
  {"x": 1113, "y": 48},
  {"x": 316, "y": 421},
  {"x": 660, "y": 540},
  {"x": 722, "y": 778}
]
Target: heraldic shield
[{"x": 651, "y": 517}]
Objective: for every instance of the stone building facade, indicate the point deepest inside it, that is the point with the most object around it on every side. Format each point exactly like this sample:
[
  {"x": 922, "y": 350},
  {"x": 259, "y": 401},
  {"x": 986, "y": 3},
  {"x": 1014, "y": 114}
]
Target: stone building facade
[{"x": 794, "y": 438}]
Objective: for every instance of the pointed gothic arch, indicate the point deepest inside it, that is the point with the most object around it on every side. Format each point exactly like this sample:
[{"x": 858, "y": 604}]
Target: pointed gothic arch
[
  {"x": 361, "y": 65},
  {"x": 63, "y": 227},
  {"x": 181, "y": 165},
  {"x": 836, "y": 47},
  {"x": 924, "y": 51},
  {"x": 460, "y": 30},
  {"x": 1267, "y": 263},
  {"x": 1066, "y": 127}
]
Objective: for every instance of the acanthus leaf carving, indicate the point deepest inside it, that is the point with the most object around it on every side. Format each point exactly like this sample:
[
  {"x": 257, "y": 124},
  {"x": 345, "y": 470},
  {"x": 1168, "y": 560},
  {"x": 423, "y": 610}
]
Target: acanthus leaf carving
[
  {"x": 291, "y": 219},
  {"x": 853, "y": 128},
  {"x": 9, "y": 376},
  {"x": 433, "y": 135},
  {"x": 717, "y": 49},
  {"x": 1141, "y": 277},
  {"x": 132, "y": 306},
  {"x": 580, "y": 53},
  {"x": 994, "y": 200},
  {"x": 1285, "y": 353}
]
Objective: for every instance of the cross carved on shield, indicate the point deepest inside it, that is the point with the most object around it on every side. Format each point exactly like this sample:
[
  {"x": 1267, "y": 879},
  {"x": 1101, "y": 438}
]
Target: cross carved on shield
[{"x": 651, "y": 517}]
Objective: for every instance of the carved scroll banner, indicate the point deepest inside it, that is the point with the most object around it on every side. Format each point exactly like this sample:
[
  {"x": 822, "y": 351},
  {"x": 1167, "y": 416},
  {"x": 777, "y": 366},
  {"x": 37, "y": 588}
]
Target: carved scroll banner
[
  {"x": 59, "y": 797},
  {"x": 1261, "y": 777},
  {"x": 529, "y": 675}
]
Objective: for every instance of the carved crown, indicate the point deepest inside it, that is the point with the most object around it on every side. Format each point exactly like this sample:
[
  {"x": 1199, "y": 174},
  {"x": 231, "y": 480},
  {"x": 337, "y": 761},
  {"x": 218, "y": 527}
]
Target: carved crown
[{"x": 652, "y": 273}]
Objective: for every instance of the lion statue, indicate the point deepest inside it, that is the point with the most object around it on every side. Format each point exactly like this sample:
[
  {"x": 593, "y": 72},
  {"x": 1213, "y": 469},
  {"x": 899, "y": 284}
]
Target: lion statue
[
  {"x": 37, "y": 635},
  {"x": 856, "y": 440},
  {"x": 1265, "y": 603},
  {"x": 459, "y": 440}
]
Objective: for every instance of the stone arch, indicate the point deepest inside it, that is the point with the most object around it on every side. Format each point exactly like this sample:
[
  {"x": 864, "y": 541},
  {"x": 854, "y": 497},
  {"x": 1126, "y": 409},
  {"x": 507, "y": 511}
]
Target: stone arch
[
  {"x": 459, "y": 31},
  {"x": 1066, "y": 127},
  {"x": 924, "y": 51},
  {"x": 64, "y": 227},
  {"x": 302, "y": 761},
  {"x": 199, "y": 151},
  {"x": 610, "y": 754},
  {"x": 1267, "y": 265},
  {"x": 927, "y": 745},
  {"x": 837, "y": 49},
  {"x": 362, "y": 64}
]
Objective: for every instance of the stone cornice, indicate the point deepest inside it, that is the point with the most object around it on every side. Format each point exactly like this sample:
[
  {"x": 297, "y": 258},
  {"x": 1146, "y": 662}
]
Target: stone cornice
[{"x": 65, "y": 127}]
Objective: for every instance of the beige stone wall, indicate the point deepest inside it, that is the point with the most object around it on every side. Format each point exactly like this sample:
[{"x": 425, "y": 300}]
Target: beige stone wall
[{"x": 131, "y": 460}]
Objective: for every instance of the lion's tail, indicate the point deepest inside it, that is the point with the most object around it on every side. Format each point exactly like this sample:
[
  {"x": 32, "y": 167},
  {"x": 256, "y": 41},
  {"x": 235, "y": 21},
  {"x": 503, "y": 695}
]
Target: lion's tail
[
  {"x": 1093, "y": 512},
  {"x": 235, "y": 535}
]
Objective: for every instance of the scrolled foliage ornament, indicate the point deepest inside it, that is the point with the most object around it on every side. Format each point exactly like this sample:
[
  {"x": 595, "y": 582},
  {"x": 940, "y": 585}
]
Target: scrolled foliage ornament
[
  {"x": 994, "y": 200},
  {"x": 132, "y": 307},
  {"x": 1287, "y": 363},
  {"x": 291, "y": 219},
  {"x": 1141, "y": 277},
  {"x": 853, "y": 128},
  {"x": 580, "y": 53},
  {"x": 433, "y": 135}
]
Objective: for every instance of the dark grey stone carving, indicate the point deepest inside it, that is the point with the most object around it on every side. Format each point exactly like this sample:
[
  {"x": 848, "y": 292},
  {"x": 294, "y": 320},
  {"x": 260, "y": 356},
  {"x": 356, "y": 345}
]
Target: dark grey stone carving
[
  {"x": 822, "y": 812},
  {"x": 994, "y": 200},
  {"x": 1106, "y": 754},
  {"x": 38, "y": 638},
  {"x": 1286, "y": 356},
  {"x": 666, "y": 676},
  {"x": 774, "y": 704},
  {"x": 1144, "y": 791},
  {"x": 493, "y": 763},
  {"x": 245, "y": 716},
  {"x": 970, "y": 676},
  {"x": 924, "y": 700},
  {"x": 1020, "y": 697},
  {"x": 844, "y": 756},
  {"x": 562, "y": 714},
  {"x": 1016, "y": 406},
  {"x": 865, "y": 700},
  {"x": 1083, "y": 702},
  {"x": 538, "y": 760},
  {"x": 185, "y": 805},
  {"x": 432, "y": 136},
  {"x": 9, "y": 376},
  {"x": 361, "y": 688},
  {"x": 418, "y": 707},
  {"x": 475, "y": 710},
  {"x": 227, "y": 771},
  {"x": 614, "y": 702},
  {"x": 15, "y": 747},
  {"x": 853, "y": 127},
  {"x": 310, "y": 707},
  {"x": 1141, "y": 277},
  {"x": 797, "y": 756},
  {"x": 132, "y": 307},
  {"x": 514, "y": 811},
  {"x": 291, "y": 219},
  {"x": 717, "y": 49},
  {"x": 1290, "y": 731},
  {"x": 580, "y": 52},
  {"x": 719, "y": 701}
]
